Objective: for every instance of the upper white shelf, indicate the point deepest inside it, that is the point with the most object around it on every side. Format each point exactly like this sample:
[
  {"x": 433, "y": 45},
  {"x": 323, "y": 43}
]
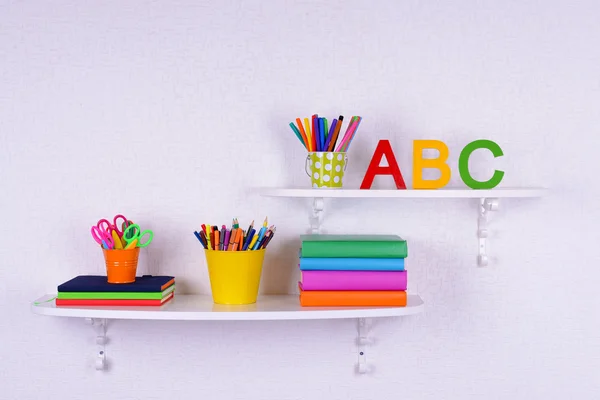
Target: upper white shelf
[
  {"x": 408, "y": 193},
  {"x": 202, "y": 308}
]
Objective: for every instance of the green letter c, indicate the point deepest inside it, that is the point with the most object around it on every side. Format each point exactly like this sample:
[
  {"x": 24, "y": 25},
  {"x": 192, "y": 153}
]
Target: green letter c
[{"x": 463, "y": 164}]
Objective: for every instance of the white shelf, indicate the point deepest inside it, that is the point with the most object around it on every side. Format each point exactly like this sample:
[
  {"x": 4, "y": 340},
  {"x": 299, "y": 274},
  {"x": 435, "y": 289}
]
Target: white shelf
[
  {"x": 202, "y": 308},
  {"x": 488, "y": 201},
  {"x": 408, "y": 193}
]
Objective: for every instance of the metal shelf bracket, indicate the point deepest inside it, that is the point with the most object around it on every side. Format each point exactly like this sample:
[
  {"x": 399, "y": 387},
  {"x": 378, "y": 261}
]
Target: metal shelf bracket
[
  {"x": 316, "y": 217},
  {"x": 485, "y": 207},
  {"x": 362, "y": 341},
  {"x": 99, "y": 326}
]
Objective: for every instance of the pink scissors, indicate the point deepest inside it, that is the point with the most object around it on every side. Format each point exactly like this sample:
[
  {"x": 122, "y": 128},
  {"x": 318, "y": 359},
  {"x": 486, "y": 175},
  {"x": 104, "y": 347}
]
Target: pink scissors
[
  {"x": 107, "y": 226},
  {"x": 103, "y": 236}
]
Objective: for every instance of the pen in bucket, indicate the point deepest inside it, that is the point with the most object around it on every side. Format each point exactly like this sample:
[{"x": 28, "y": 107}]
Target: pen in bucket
[
  {"x": 217, "y": 241},
  {"x": 248, "y": 231},
  {"x": 327, "y": 148},
  {"x": 200, "y": 239},
  {"x": 222, "y": 237},
  {"x": 235, "y": 239},
  {"x": 249, "y": 238},
  {"x": 336, "y": 133},
  {"x": 264, "y": 245}
]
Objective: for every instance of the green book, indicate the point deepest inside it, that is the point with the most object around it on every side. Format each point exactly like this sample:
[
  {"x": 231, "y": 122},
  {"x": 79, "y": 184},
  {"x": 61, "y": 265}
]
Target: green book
[
  {"x": 117, "y": 295},
  {"x": 353, "y": 246}
]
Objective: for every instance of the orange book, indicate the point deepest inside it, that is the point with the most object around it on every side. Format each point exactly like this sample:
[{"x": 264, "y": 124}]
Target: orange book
[{"x": 345, "y": 298}]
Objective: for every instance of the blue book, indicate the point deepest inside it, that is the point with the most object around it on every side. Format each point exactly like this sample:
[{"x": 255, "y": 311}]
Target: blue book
[
  {"x": 352, "y": 264},
  {"x": 99, "y": 283}
]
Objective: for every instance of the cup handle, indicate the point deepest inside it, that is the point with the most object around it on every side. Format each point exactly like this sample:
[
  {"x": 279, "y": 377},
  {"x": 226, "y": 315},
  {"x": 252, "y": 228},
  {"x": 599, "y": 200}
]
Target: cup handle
[
  {"x": 306, "y": 165},
  {"x": 345, "y": 162}
]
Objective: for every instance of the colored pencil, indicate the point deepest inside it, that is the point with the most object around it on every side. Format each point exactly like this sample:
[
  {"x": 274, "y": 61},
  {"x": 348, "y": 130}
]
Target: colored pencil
[
  {"x": 249, "y": 239},
  {"x": 253, "y": 242},
  {"x": 270, "y": 238},
  {"x": 263, "y": 240},
  {"x": 325, "y": 132},
  {"x": 236, "y": 238},
  {"x": 248, "y": 231},
  {"x": 261, "y": 234}
]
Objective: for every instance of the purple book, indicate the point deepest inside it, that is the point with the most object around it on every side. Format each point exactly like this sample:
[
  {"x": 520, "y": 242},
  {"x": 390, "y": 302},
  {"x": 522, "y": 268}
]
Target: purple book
[{"x": 353, "y": 280}]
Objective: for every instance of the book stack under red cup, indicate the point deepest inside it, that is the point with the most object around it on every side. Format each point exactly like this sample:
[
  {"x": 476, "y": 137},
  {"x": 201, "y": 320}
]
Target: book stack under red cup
[{"x": 94, "y": 290}]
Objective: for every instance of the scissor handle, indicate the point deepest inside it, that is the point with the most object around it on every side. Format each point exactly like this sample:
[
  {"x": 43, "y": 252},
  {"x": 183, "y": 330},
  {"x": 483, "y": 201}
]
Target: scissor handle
[
  {"x": 137, "y": 234},
  {"x": 103, "y": 237},
  {"x": 131, "y": 233},
  {"x": 103, "y": 222},
  {"x": 116, "y": 224},
  {"x": 124, "y": 227},
  {"x": 96, "y": 235},
  {"x": 147, "y": 242}
]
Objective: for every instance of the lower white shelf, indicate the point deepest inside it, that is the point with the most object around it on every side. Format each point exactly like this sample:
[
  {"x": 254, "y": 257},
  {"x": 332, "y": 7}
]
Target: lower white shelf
[{"x": 202, "y": 308}]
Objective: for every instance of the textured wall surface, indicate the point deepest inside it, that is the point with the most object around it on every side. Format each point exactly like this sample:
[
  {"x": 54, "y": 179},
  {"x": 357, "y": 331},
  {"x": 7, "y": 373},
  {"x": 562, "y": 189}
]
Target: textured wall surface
[{"x": 171, "y": 111}]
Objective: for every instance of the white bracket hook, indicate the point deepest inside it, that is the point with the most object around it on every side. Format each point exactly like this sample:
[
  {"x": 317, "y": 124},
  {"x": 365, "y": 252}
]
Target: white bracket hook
[
  {"x": 316, "y": 217},
  {"x": 99, "y": 326},
  {"x": 362, "y": 341},
  {"x": 485, "y": 206}
]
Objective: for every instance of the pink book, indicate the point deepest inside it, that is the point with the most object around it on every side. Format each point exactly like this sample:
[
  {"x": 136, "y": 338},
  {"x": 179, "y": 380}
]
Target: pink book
[{"x": 353, "y": 280}]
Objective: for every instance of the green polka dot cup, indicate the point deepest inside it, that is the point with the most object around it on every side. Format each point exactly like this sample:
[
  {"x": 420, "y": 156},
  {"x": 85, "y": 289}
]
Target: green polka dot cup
[{"x": 326, "y": 169}]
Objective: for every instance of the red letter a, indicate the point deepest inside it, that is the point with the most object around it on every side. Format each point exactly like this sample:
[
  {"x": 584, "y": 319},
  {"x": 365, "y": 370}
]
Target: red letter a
[{"x": 383, "y": 149}]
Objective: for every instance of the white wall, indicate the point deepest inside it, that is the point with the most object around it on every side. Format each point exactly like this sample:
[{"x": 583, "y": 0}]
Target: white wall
[{"x": 169, "y": 111}]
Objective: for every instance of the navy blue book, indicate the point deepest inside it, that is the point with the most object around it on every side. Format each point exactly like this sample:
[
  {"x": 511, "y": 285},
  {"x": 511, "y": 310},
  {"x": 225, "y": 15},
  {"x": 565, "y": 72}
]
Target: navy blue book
[{"x": 99, "y": 283}]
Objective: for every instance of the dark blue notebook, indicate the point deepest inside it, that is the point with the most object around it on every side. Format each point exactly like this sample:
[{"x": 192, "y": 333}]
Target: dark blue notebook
[{"x": 99, "y": 283}]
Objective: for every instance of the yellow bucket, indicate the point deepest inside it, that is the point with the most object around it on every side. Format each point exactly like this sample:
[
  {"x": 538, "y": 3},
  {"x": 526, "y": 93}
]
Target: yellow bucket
[{"x": 234, "y": 275}]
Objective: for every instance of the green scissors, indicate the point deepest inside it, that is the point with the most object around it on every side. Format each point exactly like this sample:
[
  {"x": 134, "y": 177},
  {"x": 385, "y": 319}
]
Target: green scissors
[{"x": 133, "y": 236}]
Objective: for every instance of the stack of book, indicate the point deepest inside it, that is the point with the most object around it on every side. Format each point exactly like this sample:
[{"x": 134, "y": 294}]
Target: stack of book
[
  {"x": 352, "y": 270},
  {"x": 93, "y": 290}
]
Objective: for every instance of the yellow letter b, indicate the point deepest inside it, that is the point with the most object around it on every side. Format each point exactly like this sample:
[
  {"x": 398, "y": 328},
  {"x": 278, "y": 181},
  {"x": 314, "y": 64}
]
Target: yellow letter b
[{"x": 420, "y": 163}]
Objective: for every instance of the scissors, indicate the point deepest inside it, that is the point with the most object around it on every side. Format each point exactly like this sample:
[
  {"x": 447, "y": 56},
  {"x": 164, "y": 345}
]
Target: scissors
[
  {"x": 103, "y": 236},
  {"x": 136, "y": 236}
]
